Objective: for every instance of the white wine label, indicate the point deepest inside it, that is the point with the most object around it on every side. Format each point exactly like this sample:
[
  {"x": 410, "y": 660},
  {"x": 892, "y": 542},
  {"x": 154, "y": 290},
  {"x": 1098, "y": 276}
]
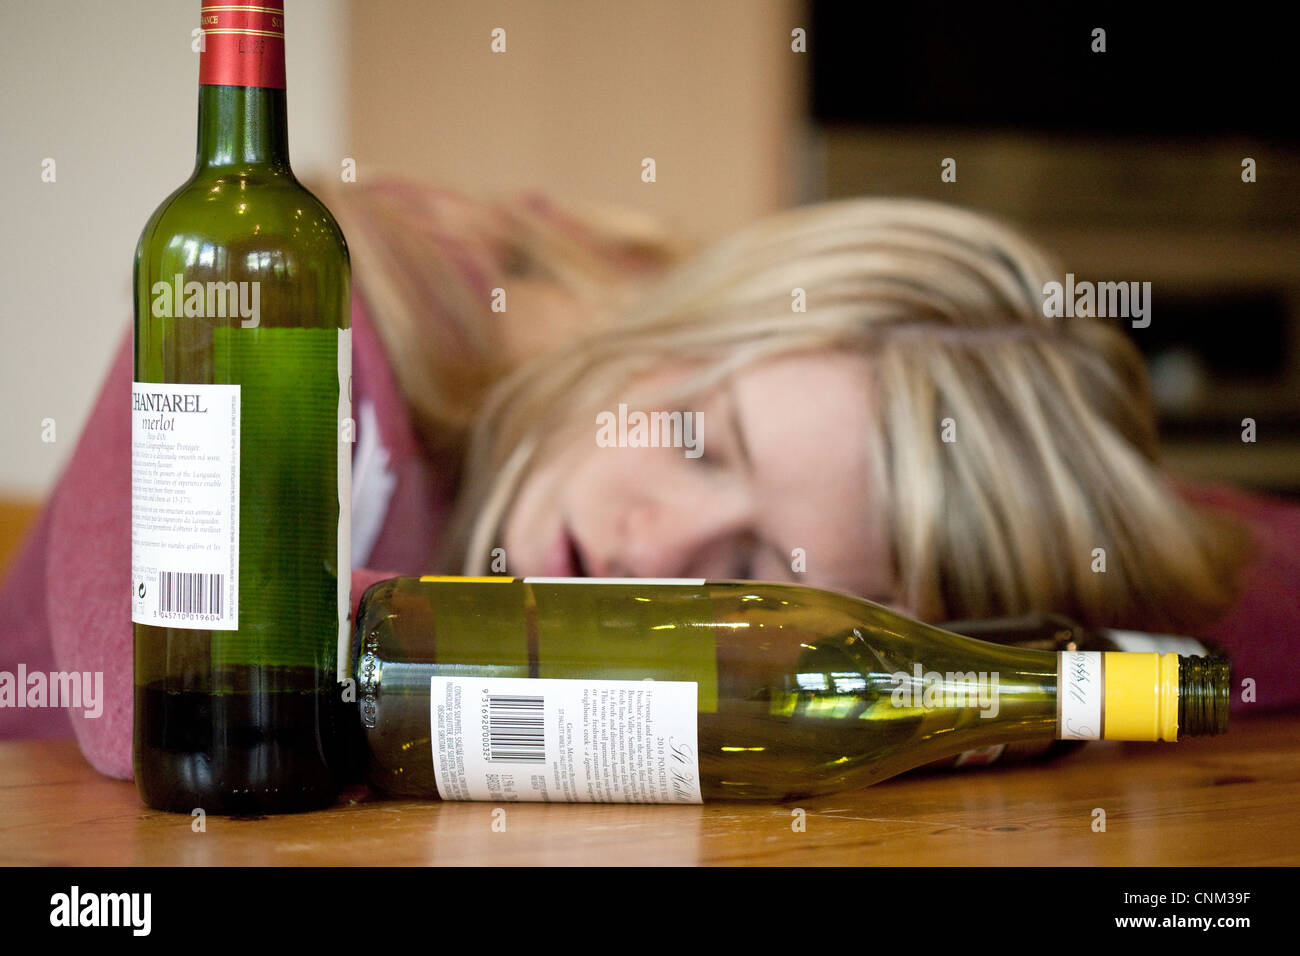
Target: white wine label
[
  {"x": 1138, "y": 642},
  {"x": 346, "y": 436},
  {"x": 185, "y": 506},
  {"x": 1080, "y": 695},
  {"x": 565, "y": 741}
]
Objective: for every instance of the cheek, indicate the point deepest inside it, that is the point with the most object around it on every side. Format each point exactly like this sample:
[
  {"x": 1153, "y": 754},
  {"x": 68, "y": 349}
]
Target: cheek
[
  {"x": 553, "y": 491},
  {"x": 532, "y": 517},
  {"x": 597, "y": 486}
]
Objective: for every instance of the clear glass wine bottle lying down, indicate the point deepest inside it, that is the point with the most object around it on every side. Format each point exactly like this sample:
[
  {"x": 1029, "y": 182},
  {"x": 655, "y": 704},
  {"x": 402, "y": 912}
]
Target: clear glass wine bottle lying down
[{"x": 648, "y": 691}]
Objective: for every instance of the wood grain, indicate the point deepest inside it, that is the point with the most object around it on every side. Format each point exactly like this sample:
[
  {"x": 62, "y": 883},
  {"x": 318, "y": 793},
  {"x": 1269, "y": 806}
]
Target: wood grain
[
  {"x": 16, "y": 516},
  {"x": 1223, "y": 801}
]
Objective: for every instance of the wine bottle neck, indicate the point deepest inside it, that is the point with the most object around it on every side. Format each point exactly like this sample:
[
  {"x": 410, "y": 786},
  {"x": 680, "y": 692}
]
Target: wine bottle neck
[
  {"x": 241, "y": 86},
  {"x": 1119, "y": 695},
  {"x": 1204, "y": 685},
  {"x": 242, "y": 126}
]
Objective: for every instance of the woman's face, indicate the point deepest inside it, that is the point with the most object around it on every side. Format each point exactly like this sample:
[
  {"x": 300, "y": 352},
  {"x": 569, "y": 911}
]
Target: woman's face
[{"x": 784, "y": 471}]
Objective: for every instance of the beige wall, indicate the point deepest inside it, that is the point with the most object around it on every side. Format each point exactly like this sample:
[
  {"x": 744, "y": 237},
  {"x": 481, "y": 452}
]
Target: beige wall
[
  {"x": 109, "y": 91},
  {"x": 585, "y": 90}
]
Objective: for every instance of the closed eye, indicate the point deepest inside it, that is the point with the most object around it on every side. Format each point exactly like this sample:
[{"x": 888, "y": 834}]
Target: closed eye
[{"x": 516, "y": 261}]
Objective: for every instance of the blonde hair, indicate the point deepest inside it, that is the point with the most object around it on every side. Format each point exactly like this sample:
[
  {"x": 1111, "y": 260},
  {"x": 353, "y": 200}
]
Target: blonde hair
[
  {"x": 1052, "y": 475},
  {"x": 426, "y": 259}
]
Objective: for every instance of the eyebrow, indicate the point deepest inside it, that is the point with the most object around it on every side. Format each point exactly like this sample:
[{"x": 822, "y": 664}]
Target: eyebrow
[{"x": 733, "y": 420}]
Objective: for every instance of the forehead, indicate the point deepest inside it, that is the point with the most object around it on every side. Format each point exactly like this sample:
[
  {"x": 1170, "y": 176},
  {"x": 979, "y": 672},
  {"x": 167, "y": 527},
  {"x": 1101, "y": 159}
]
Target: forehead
[
  {"x": 808, "y": 383},
  {"x": 807, "y": 420}
]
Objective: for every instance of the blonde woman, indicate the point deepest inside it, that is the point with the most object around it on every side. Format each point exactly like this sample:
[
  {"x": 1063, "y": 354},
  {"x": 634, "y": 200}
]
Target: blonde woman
[{"x": 863, "y": 395}]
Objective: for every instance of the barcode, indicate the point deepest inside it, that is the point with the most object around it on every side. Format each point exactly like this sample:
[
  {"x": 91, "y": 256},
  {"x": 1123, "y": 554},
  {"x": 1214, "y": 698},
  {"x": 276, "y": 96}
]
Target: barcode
[
  {"x": 183, "y": 592},
  {"x": 516, "y": 728}
]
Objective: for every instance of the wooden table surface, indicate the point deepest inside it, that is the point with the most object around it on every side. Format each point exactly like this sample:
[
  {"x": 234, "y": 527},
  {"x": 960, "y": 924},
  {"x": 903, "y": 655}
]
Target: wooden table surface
[
  {"x": 17, "y": 515},
  {"x": 1228, "y": 801}
]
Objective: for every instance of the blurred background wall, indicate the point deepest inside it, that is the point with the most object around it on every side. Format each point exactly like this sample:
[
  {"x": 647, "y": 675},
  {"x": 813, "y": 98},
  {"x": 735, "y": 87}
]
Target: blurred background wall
[
  {"x": 1125, "y": 163},
  {"x": 585, "y": 90},
  {"x": 110, "y": 93}
]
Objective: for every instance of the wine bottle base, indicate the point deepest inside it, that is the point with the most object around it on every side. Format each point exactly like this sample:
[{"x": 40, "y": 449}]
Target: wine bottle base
[
  {"x": 237, "y": 754},
  {"x": 235, "y": 802}
]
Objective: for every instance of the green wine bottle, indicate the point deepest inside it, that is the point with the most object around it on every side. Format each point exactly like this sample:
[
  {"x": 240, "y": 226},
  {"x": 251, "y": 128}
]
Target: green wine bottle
[
  {"x": 241, "y": 456},
  {"x": 626, "y": 690}
]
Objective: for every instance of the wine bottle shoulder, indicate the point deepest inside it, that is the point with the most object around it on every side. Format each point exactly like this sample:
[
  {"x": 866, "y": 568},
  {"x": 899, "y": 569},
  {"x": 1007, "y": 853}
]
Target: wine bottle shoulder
[
  {"x": 149, "y": 232},
  {"x": 256, "y": 233},
  {"x": 251, "y": 209}
]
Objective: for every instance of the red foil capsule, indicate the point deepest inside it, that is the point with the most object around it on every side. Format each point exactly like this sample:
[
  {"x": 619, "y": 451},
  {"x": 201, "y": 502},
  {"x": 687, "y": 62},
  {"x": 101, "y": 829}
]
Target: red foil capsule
[{"x": 243, "y": 44}]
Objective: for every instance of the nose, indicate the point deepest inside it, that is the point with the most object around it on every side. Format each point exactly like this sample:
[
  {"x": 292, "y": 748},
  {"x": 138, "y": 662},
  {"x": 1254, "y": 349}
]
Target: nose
[{"x": 666, "y": 535}]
